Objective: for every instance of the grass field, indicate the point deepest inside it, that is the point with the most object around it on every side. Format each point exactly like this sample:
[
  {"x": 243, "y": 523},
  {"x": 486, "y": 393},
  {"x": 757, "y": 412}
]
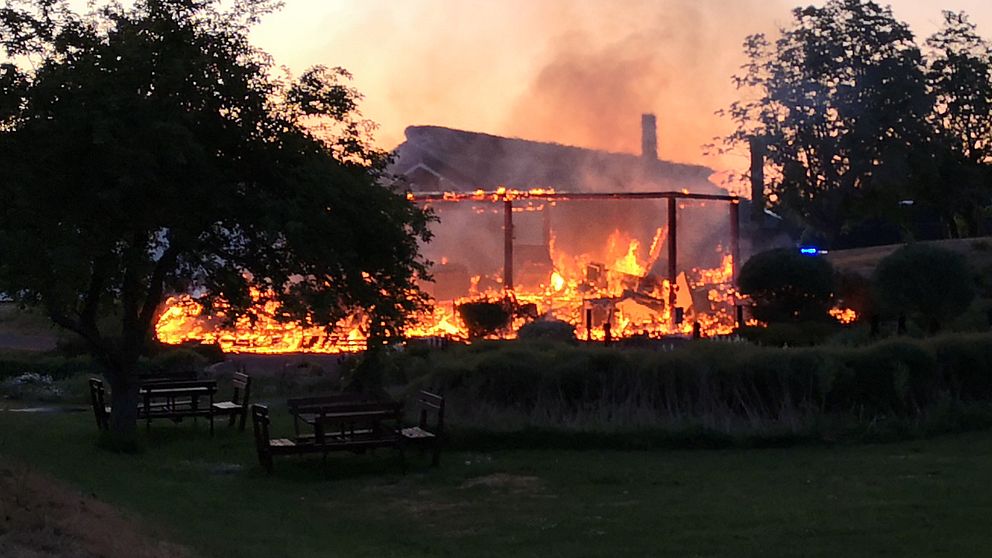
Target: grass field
[{"x": 924, "y": 498}]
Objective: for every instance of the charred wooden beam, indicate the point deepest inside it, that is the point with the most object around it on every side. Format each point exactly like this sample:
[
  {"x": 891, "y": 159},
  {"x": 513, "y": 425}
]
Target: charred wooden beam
[
  {"x": 498, "y": 196},
  {"x": 672, "y": 251},
  {"x": 507, "y": 245}
]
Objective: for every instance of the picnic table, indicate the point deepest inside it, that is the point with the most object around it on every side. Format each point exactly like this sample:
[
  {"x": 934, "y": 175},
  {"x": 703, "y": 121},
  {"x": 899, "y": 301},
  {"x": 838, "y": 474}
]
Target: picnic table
[
  {"x": 349, "y": 422},
  {"x": 177, "y": 400}
]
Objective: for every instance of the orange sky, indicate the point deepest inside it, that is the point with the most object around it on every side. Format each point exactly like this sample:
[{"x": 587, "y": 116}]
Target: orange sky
[{"x": 577, "y": 72}]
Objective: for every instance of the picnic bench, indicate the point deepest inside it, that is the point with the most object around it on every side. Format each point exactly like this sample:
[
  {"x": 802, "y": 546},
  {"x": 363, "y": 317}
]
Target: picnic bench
[
  {"x": 350, "y": 423},
  {"x": 158, "y": 399},
  {"x": 177, "y": 400}
]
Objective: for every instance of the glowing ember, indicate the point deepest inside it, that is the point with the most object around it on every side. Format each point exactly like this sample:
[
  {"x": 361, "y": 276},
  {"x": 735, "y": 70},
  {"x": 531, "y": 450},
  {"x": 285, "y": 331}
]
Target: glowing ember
[
  {"x": 617, "y": 284},
  {"x": 844, "y": 315}
]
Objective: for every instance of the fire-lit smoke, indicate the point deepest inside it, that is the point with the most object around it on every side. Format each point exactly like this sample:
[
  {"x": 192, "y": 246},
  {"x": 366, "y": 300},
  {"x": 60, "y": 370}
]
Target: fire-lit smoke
[
  {"x": 572, "y": 72},
  {"x": 673, "y": 58}
]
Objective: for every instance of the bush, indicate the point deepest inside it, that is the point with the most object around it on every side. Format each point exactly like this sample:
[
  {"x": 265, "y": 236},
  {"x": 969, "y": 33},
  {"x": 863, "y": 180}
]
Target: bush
[
  {"x": 484, "y": 318},
  {"x": 929, "y": 283},
  {"x": 855, "y": 291},
  {"x": 550, "y": 330},
  {"x": 15, "y": 363},
  {"x": 800, "y": 334},
  {"x": 176, "y": 361},
  {"x": 785, "y": 285},
  {"x": 712, "y": 386}
]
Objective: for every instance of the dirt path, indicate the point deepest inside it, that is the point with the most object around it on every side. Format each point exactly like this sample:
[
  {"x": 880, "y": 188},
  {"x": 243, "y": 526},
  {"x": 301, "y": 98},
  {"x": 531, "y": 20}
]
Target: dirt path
[{"x": 42, "y": 518}]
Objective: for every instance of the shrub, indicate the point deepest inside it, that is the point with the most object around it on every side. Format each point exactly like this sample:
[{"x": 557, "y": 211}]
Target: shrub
[
  {"x": 175, "y": 361},
  {"x": 854, "y": 291},
  {"x": 800, "y": 334},
  {"x": 926, "y": 282},
  {"x": 484, "y": 318},
  {"x": 551, "y": 330},
  {"x": 714, "y": 386},
  {"x": 788, "y": 286}
]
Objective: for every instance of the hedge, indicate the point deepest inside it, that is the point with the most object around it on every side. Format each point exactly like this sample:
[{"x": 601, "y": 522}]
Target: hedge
[{"x": 720, "y": 386}]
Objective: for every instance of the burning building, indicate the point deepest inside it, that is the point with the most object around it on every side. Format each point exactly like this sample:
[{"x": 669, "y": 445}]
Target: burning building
[{"x": 625, "y": 242}]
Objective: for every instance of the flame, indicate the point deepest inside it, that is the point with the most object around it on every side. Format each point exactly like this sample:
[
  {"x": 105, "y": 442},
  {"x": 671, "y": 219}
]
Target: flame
[
  {"x": 844, "y": 315},
  {"x": 613, "y": 284}
]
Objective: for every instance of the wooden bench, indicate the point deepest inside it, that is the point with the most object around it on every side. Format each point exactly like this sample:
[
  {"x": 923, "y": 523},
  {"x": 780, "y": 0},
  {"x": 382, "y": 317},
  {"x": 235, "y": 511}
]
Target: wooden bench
[
  {"x": 237, "y": 407},
  {"x": 160, "y": 399},
  {"x": 177, "y": 400},
  {"x": 427, "y": 432},
  {"x": 344, "y": 423},
  {"x": 304, "y": 409},
  {"x": 98, "y": 398}
]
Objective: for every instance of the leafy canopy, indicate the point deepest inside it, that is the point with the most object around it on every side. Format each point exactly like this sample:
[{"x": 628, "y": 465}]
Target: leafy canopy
[
  {"x": 787, "y": 286},
  {"x": 153, "y": 149},
  {"x": 926, "y": 281},
  {"x": 840, "y": 100}
]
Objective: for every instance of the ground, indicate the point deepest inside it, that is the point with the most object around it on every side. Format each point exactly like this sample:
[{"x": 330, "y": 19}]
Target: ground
[
  {"x": 978, "y": 251},
  {"x": 923, "y": 498}
]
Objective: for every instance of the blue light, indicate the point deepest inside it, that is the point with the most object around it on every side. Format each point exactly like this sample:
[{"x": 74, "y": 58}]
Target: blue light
[{"x": 809, "y": 251}]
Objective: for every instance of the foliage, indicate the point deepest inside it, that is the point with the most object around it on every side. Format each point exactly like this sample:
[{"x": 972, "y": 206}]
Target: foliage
[
  {"x": 959, "y": 74},
  {"x": 13, "y": 363},
  {"x": 551, "y": 330},
  {"x": 726, "y": 387},
  {"x": 786, "y": 285},
  {"x": 484, "y": 317},
  {"x": 855, "y": 291},
  {"x": 151, "y": 149},
  {"x": 791, "y": 334},
  {"x": 923, "y": 280},
  {"x": 840, "y": 101}
]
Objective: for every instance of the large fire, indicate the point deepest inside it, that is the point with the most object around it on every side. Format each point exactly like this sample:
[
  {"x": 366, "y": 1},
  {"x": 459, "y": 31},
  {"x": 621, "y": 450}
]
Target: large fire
[{"x": 610, "y": 287}]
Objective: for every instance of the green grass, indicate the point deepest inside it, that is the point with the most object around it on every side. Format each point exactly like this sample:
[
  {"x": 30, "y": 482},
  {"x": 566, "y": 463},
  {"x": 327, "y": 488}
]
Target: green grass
[{"x": 924, "y": 498}]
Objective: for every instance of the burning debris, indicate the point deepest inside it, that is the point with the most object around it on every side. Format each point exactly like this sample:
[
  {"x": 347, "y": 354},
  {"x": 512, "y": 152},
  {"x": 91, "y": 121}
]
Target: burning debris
[{"x": 617, "y": 282}]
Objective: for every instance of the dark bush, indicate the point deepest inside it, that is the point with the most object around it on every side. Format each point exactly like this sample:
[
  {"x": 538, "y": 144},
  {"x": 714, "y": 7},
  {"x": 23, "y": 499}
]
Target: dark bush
[
  {"x": 799, "y": 334},
  {"x": 15, "y": 363},
  {"x": 855, "y": 291},
  {"x": 786, "y": 285},
  {"x": 176, "y": 361},
  {"x": 718, "y": 386},
  {"x": 551, "y": 330},
  {"x": 484, "y": 317},
  {"x": 932, "y": 284}
]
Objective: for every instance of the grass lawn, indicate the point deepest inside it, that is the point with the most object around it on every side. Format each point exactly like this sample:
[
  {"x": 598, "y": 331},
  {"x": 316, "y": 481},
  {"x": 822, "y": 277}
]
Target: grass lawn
[{"x": 925, "y": 498}]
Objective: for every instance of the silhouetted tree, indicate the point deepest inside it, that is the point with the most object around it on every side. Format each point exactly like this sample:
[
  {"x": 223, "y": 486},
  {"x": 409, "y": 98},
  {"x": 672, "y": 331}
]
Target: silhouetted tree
[
  {"x": 959, "y": 74},
  {"x": 786, "y": 286},
  {"x": 150, "y": 149},
  {"x": 841, "y": 101},
  {"x": 924, "y": 281}
]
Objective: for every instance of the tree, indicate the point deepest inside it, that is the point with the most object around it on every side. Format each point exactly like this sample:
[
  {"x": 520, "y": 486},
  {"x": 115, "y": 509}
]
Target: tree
[
  {"x": 787, "y": 286},
  {"x": 152, "y": 149},
  {"x": 929, "y": 282},
  {"x": 840, "y": 100},
  {"x": 959, "y": 74}
]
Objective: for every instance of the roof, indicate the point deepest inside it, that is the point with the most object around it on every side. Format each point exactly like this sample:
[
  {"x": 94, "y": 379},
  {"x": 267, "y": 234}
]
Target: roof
[{"x": 437, "y": 158}]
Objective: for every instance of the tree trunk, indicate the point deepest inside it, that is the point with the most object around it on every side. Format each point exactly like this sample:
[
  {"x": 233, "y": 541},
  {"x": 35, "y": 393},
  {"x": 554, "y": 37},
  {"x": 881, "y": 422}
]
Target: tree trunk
[{"x": 123, "y": 406}]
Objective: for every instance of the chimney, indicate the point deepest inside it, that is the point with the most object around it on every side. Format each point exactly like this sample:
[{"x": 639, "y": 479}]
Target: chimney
[
  {"x": 757, "y": 180},
  {"x": 649, "y": 137}
]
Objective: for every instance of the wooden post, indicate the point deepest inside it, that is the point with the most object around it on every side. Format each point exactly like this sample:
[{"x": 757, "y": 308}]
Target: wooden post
[
  {"x": 507, "y": 245},
  {"x": 757, "y": 145},
  {"x": 735, "y": 239},
  {"x": 672, "y": 252}
]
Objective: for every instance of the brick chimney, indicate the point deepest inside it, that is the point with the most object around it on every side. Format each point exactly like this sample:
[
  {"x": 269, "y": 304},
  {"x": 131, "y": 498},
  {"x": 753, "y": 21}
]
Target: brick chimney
[{"x": 649, "y": 137}]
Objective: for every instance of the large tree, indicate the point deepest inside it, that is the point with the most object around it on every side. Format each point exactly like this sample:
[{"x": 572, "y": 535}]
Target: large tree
[
  {"x": 841, "y": 102},
  {"x": 959, "y": 74},
  {"x": 153, "y": 149}
]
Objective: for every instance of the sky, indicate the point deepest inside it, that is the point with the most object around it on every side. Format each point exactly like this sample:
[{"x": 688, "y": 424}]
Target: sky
[{"x": 577, "y": 72}]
